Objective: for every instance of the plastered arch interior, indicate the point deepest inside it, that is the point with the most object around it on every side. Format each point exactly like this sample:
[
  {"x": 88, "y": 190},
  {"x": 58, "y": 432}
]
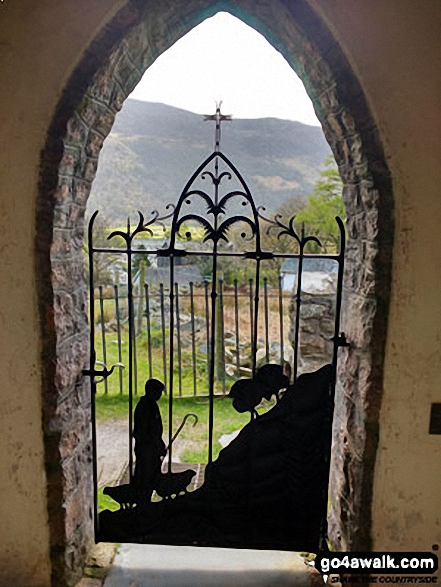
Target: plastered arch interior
[{"x": 109, "y": 71}]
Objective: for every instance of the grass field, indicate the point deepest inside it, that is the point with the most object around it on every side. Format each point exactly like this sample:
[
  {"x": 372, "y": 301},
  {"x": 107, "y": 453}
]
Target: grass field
[
  {"x": 184, "y": 374},
  {"x": 192, "y": 443}
]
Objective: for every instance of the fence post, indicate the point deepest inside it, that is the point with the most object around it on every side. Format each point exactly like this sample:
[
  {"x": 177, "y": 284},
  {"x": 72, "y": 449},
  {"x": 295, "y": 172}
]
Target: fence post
[
  {"x": 236, "y": 324},
  {"x": 193, "y": 338},
  {"x": 164, "y": 349},
  {"x": 149, "y": 331},
  {"x": 142, "y": 267},
  {"x": 265, "y": 298},
  {"x": 118, "y": 331},
  {"x": 207, "y": 323},
  {"x": 282, "y": 357},
  {"x": 220, "y": 338},
  {"x": 178, "y": 338},
  {"x": 135, "y": 354},
  {"x": 250, "y": 284},
  {"x": 103, "y": 334}
]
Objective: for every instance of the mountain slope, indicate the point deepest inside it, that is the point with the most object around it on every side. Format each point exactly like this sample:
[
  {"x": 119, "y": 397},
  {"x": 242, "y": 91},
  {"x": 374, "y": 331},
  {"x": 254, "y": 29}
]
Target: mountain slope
[{"x": 153, "y": 149}]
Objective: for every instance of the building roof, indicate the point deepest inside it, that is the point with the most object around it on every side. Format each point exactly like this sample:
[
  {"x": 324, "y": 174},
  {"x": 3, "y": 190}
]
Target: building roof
[
  {"x": 310, "y": 265},
  {"x": 183, "y": 275}
]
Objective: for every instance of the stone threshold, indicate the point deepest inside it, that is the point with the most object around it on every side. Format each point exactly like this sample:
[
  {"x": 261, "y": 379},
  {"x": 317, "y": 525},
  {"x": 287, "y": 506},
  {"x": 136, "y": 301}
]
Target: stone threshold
[{"x": 142, "y": 565}]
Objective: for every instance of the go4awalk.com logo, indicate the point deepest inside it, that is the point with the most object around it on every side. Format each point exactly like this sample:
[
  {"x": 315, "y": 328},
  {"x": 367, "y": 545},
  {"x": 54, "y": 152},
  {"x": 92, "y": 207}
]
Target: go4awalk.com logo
[{"x": 371, "y": 563}]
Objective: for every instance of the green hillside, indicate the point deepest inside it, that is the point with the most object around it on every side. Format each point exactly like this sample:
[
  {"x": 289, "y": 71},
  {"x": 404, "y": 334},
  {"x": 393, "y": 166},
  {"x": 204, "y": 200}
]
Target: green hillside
[{"x": 153, "y": 149}]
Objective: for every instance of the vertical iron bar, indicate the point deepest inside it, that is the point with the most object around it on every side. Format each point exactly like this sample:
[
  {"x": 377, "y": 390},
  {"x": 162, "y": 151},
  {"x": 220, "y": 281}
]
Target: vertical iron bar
[
  {"x": 207, "y": 324},
  {"x": 171, "y": 364},
  {"x": 118, "y": 330},
  {"x": 213, "y": 306},
  {"x": 236, "y": 324},
  {"x": 92, "y": 361},
  {"x": 164, "y": 348},
  {"x": 298, "y": 304},
  {"x": 131, "y": 325},
  {"x": 135, "y": 357},
  {"x": 212, "y": 354},
  {"x": 265, "y": 298},
  {"x": 193, "y": 338},
  {"x": 256, "y": 316},
  {"x": 282, "y": 350},
  {"x": 178, "y": 338},
  {"x": 250, "y": 294},
  {"x": 221, "y": 350},
  {"x": 149, "y": 328},
  {"x": 339, "y": 295},
  {"x": 103, "y": 335}
]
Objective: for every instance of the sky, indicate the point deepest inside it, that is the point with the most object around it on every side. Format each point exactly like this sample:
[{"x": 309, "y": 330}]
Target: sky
[{"x": 224, "y": 59}]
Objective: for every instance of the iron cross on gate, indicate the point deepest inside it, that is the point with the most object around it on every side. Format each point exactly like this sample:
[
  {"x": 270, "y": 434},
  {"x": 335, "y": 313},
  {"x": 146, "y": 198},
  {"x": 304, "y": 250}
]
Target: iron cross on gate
[{"x": 218, "y": 117}]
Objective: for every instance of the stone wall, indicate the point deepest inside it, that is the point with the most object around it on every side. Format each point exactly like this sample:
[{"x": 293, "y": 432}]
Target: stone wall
[
  {"x": 107, "y": 74},
  {"x": 391, "y": 89},
  {"x": 75, "y": 140},
  {"x": 317, "y": 320}
]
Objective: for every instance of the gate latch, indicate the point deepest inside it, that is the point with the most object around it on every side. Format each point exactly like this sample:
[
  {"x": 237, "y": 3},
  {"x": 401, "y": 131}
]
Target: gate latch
[{"x": 102, "y": 373}]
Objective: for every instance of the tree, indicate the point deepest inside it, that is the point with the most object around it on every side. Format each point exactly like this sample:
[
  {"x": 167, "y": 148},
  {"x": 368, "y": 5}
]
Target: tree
[
  {"x": 232, "y": 268},
  {"x": 317, "y": 213},
  {"x": 323, "y": 205},
  {"x": 283, "y": 244}
]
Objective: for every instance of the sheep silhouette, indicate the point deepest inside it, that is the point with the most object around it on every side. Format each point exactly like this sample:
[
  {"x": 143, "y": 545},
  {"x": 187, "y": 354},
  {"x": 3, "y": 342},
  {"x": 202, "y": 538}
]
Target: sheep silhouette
[
  {"x": 248, "y": 393},
  {"x": 124, "y": 495},
  {"x": 166, "y": 485},
  {"x": 170, "y": 484},
  {"x": 246, "y": 396}
]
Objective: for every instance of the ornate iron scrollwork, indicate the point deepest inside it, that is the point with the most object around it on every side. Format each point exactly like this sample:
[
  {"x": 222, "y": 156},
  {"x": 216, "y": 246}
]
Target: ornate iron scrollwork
[{"x": 268, "y": 488}]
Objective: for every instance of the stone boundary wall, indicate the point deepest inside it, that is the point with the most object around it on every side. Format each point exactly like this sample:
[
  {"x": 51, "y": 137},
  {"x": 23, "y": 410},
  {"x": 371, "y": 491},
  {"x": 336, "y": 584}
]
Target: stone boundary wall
[
  {"x": 317, "y": 320},
  {"x": 107, "y": 74}
]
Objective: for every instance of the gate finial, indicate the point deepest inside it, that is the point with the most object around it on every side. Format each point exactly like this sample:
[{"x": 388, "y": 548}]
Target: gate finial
[{"x": 218, "y": 117}]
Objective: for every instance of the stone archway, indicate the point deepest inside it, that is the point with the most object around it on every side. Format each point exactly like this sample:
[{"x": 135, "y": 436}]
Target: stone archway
[{"x": 108, "y": 72}]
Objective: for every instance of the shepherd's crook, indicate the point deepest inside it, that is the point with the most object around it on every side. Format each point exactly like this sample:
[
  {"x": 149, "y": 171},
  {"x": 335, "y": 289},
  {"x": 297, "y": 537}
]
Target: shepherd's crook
[{"x": 196, "y": 419}]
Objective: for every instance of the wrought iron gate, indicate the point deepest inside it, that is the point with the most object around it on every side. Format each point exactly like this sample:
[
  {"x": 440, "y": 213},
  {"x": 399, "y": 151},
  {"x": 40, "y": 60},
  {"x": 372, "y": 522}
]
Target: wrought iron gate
[{"x": 268, "y": 488}]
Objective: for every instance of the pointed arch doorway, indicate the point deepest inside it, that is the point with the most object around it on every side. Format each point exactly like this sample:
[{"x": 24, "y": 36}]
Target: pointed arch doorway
[
  {"x": 268, "y": 488},
  {"x": 106, "y": 75}
]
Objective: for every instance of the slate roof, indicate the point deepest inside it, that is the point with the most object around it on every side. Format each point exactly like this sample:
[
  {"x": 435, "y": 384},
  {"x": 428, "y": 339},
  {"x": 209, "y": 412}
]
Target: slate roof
[{"x": 310, "y": 265}]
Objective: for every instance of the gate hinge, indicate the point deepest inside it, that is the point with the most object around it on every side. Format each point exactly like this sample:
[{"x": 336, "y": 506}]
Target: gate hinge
[{"x": 340, "y": 340}]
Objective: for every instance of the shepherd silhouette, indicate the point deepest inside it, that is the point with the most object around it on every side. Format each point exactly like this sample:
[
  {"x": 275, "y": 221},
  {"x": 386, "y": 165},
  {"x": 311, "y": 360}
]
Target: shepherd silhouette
[{"x": 149, "y": 446}]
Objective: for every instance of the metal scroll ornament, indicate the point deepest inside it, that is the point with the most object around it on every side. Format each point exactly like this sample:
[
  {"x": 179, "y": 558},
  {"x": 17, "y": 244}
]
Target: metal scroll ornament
[{"x": 268, "y": 487}]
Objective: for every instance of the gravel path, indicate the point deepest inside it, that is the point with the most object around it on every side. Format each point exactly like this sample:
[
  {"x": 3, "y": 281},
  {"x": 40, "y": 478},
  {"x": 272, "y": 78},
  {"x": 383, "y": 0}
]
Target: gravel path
[{"x": 113, "y": 450}]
